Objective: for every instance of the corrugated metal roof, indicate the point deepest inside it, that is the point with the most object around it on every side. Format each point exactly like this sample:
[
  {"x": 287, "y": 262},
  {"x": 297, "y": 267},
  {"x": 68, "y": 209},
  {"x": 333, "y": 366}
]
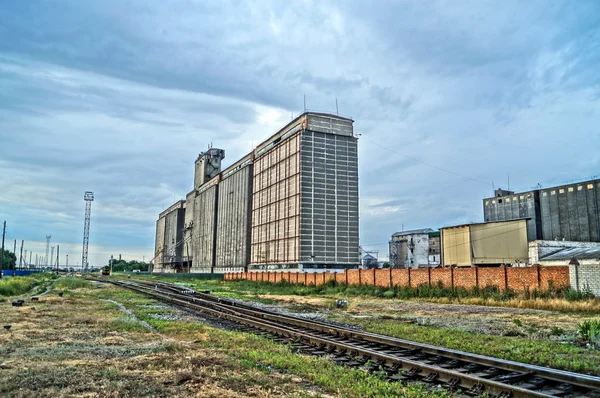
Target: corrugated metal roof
[
  {"x": 413, "y": 231},
  {"x": 487, "y": 222},
  {"x": 567, "y": 253}
]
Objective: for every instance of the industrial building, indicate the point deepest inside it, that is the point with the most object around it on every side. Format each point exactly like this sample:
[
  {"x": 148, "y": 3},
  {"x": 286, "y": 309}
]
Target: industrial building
[
  {"x": 485, "y": 244},
  {"x": 292, "y": 203},
  {"x": 567, "y": 212},
  {"x": 418, "y": 248},
  {"x": 168, "y": 247}
]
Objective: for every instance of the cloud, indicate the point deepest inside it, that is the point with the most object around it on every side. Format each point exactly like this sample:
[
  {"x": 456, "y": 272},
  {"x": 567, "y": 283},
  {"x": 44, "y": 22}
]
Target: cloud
[{"x": 120, "y": 97}]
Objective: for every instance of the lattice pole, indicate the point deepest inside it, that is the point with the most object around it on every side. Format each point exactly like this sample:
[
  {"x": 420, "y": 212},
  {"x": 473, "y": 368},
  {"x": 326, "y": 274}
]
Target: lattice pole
[{"x": 89, "y": 198}]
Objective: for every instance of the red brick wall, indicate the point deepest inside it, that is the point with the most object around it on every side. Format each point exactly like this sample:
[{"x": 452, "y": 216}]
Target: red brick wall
[
  {"x": 419, "y": 277},
  {"x": 353, "y": 276},
  {"x": 400, "y": 277},
  {"x": 519, "y": 278},
  {"x": 558, "y": 275},
  {"x": 464, "y": 277},
  {"x": 382, "y": 277},
  {"x": 491, "y": 277},
  {"x": 441, "y": 275}
]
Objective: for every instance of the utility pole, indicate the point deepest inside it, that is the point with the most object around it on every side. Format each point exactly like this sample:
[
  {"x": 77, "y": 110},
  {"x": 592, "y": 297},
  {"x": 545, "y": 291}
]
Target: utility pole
[
  {"x": 67, "y": 264},
  {"x": 111, "y": 263},
  {"x": 88, "y": 197},
  {"x": 36, "y": 261},
  {"x": 57, "y": 257},
  {"x": 47, "y": 260},
  {"x": 15, "y": 253},
  {"x": 30, "y": 254},
  {"x": 24, "y": 258},
  {"x": 51, "y": 257},
  {"x": 2, "y": 254},
  {"x": 21, "y": 254}
]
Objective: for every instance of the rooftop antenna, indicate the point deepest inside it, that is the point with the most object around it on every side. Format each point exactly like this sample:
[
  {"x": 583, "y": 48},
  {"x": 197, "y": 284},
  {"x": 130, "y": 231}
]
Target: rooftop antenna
[
  {"x": 304, "y": 102},
  {"x": 493, "y": 187},
  {"x": 508, "y": 182},
  {"x": 337, "y": 111}
]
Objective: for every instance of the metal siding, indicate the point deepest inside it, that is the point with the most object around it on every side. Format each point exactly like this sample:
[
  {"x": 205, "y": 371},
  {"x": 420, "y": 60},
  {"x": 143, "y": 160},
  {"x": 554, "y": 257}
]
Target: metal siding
[
  {"x": 456, "y": 246},
  {"x": 276, "y": 204},
  {"x": 159, "y": 243},
  {"x": 232, "y": 219},
  {"x": 329, "y": 199},
  {"x": 330, "y": 125},
  {"x": 204, "y": 228},
  {"x": 593, "y": 214},
  {"x": 499, "y": 242},
  {"x": 563, "y": 214},
  {"x": 582, "y": 213}
]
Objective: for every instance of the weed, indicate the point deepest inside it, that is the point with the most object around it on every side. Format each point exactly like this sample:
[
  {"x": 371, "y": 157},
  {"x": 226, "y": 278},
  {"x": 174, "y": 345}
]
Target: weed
[
  {"x": 556, "y": 331},
  {"x": 518, "y": 322}
]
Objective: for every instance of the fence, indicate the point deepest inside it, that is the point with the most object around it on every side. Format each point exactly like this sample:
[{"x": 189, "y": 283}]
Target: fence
[{"x": 518, "y": 278}]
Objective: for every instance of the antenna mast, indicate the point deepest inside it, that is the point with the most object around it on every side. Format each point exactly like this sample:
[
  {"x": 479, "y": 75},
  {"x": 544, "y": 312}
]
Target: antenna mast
[
  {"x": 47, "y": 248},
  {"x": 89, "y": 198}
]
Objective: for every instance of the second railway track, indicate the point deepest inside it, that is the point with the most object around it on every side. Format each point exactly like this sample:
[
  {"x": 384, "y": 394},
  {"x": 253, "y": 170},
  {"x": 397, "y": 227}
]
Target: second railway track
[{"x": 396, "y": 359}]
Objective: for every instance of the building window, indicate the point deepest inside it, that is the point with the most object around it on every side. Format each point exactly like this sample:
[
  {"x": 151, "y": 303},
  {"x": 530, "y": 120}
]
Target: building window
[
  {"x": 561, "y": 191},
  {"x": 544, "y": 193},
  {"x": 487, "y": 202},
  {"x": 499, "y": 200},
  {"x": 493, "y": 201},
  {"x": 552, "y": 192},
  {"x": 570, "y": 189},
  {"x": 579, "y": 187},
  {"x": 507, "y": 200},
  {"x": 521, "y": 197},
  {"x": 591, "y": 186}
]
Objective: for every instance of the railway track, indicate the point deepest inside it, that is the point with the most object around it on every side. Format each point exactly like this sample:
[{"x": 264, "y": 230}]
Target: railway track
[{"x": 393, "y": 358}]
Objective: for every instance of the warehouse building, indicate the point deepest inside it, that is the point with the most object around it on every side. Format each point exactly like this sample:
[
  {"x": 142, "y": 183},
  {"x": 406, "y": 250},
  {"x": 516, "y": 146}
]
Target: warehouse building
[
  {"x": 567, "y": 212},
  {"x": 292, "y": 203},
  {"x": 485, "y": 244}
]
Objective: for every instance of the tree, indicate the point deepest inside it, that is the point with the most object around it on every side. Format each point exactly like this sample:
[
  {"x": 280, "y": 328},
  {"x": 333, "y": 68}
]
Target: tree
[
  {"x": 128, "y": 266},
  {"x": 8, "y": 260}
]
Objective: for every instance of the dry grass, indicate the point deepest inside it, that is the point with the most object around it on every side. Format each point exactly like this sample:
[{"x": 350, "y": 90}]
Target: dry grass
[
  {"x": 585, "y": 306},
  {"x": 81, "y": 346}
]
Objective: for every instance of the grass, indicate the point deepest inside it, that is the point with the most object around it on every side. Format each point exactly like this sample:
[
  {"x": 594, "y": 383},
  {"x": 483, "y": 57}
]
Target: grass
[
  {"x": 14, "y": 286},
  {"x": 543, "y": 353},
  {"x": 82, "y": 345}
]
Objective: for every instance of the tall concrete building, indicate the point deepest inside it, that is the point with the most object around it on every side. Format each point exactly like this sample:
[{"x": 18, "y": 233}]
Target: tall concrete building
[
  {"x": 566, "y": 212},
  {"x": 290, "y": 203}
]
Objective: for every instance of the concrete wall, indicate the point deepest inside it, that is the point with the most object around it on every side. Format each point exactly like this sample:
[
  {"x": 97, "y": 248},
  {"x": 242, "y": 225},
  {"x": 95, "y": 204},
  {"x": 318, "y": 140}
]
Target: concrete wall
[
  {"x": 585, "y": 277},
  {"x": 203, "y": 234},
  {"x": 233, "y": 219},
  {"x": 515, "y": 278}
]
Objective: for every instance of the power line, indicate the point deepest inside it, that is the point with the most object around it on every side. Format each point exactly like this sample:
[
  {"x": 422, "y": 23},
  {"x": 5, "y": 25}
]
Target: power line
[{"x": 428, "y": 164}]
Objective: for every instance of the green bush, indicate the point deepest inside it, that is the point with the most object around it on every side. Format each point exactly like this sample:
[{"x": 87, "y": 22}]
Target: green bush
[{"x": 589, "y": 330}]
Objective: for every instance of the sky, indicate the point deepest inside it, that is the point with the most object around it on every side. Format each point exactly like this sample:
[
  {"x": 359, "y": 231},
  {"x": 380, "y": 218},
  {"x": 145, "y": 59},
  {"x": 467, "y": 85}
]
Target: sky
[{"x": 449, "y": 97}]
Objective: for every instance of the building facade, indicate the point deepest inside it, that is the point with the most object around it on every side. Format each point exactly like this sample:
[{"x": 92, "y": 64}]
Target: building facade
[
  {"x": 419, "y": 248},
  {"x": 490, "y": 244},
  {"x": 567, "y": 212},
  {"x": 292, "y": 203},
  {"x": 168, "y": 247}
]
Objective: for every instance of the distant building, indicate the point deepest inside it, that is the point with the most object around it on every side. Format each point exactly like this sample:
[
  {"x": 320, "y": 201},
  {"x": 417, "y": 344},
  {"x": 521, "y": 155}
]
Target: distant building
[
  {"x": 551, "y": 252},
  {"x": 418, "y": 248},
  {"x": 493, "y": 243},
  {"x": 566, "y": 212},
  {"x": 369, "y": 261},
  {"x": 435, "y": 249}
]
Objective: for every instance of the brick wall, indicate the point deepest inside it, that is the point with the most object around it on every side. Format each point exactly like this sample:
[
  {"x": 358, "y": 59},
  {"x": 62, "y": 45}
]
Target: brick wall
[
  {"x": 585, "y": 277},
  {"x": 517, "y": 278}
]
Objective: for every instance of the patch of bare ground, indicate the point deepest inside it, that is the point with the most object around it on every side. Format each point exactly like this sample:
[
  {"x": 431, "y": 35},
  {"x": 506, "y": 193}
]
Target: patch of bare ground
[{"x": 81, "y": 346}]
